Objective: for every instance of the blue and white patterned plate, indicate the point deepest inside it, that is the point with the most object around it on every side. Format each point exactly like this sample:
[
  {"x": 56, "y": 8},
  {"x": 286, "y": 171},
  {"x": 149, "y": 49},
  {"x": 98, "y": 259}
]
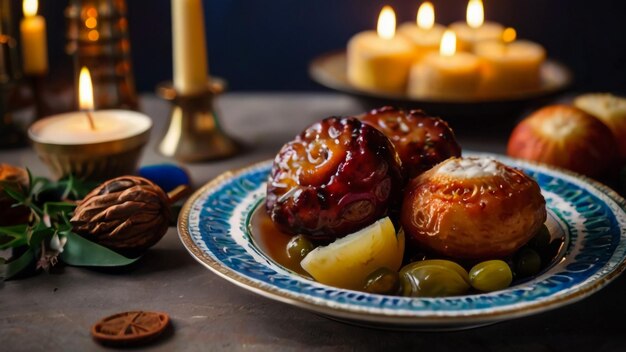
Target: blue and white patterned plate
[{"x": 213, "y": 227}]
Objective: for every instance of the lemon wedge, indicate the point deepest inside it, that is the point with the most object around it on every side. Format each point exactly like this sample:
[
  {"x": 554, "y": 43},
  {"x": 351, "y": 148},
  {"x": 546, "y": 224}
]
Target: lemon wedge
[{"x": 348, "y": 261}]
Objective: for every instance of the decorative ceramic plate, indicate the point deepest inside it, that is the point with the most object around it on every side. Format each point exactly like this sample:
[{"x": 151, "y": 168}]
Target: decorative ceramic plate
[
  {"x": 213, "y": 226},
  {"x": 330, "y": 70}
]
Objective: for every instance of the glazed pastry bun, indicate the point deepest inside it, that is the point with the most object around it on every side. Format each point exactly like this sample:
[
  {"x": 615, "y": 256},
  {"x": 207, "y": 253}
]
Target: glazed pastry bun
[
  {"x": 336, "y": 177},
  {"x": 472, "y": 208},
  {"x": 422, "y": 141}
]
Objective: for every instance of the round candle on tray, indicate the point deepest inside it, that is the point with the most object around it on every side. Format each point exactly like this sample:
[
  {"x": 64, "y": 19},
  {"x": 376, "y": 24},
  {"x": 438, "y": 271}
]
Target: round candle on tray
[
  {"x": 380, "y": 60},
  {"x": 510, "y": 66},
  {"x": 94, "y": 145},
  {"x": 426, "y": 35},
  {"x": 447, "y": 74},
  {"x": 34, "y": 42},
  {"x": 475, "y": 29}
]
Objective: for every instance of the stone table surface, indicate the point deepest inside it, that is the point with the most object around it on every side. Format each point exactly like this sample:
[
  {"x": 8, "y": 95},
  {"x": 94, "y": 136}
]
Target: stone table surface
[{"x": 50, "y": 312}]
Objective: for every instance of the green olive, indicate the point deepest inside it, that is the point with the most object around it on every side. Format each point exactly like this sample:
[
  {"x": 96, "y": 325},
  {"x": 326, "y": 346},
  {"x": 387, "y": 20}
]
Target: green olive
[
  {"x": 541, "y": 239},
  {"x": 383, "y": 281},
  {"x": 527, "y": 262},
  {"x": 491, "y": 275},
  {"x": 298, "y": 247},
  {"x": 444, "y": 263},
  {"x": 433, "y": 278}
]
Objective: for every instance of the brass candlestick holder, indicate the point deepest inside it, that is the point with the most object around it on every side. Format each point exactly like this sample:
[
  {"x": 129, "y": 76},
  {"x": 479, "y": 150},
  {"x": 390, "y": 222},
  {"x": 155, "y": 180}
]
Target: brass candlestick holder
[{"x": 194, "y": 133}]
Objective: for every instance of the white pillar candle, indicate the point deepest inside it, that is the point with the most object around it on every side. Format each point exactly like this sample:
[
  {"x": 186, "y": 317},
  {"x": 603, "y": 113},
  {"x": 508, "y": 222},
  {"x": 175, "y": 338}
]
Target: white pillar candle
[
  {"x": 509, "y": 67},
  {"x": 425, "y": 34},
  {"x": 189, "y": 46},
  {"x": 380, "y": 60},
  {"x": 447, "y": 75},
  {"x": 475, "y": 29}
]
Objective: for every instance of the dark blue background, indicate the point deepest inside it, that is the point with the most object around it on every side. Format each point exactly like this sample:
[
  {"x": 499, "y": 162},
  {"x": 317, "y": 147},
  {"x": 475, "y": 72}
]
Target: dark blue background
[{"x": 267, "y": 45}]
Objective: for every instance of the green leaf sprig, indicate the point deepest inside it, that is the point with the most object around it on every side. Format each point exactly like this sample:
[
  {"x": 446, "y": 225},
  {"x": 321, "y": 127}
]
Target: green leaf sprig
[{"x": 48, "y": 235}]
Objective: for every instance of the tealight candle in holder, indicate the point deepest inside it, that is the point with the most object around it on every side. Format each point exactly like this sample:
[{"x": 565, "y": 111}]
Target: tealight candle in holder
[
  {"x": 380, "y": 60},
  {"x": 92, "y": 145},
  {"x": 426, "y": 35},
  {"x": 475, "y": 29}
]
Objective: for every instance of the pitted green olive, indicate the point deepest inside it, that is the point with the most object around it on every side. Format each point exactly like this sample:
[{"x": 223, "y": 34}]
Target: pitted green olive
[
  {"x": 298, "y": 247},
  {"x": 491, "y": 275},
  {"x": 433, "y": 278},
  {"x": 527, "y": 262},
  {"x": 383, "y": 281}
]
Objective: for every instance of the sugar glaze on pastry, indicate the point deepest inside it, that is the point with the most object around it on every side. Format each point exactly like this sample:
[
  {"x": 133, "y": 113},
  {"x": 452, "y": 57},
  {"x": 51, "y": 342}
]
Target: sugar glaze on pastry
[{"x": 472, "y": 208}]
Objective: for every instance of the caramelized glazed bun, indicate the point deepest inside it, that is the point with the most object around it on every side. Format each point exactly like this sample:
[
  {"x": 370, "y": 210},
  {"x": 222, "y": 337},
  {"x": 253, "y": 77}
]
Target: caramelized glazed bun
[
  {"x": 422, "y": 141},
  {"x": 472, "y": 208},
  {"x": 335, "y": 178}
]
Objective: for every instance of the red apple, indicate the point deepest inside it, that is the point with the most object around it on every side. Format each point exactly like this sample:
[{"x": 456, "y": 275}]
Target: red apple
[
  {"x": 566, "y": 137},
  {"x": 611, "y": 110}
]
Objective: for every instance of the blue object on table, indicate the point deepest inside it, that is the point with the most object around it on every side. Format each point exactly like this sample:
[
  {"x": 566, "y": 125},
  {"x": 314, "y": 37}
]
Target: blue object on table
[{"x": 166, "y": 176}]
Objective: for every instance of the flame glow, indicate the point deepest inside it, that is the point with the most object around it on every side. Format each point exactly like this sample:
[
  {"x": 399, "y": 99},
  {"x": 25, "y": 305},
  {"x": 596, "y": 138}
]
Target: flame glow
[
  {"x": 448, "y": 44},
  {"x": 426, "y": 16},
  {"x": 475, "y": 13},
  {"x": 85, "y": 90},
  {"x": 30, "y": 7},
  {"x": 509, "y": 35},
  {"x": 386, "y": 23}
]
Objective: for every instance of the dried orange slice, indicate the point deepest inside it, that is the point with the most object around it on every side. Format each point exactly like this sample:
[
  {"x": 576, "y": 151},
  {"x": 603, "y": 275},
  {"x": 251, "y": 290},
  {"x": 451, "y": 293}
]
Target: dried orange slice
[{"x": 130, "y": 328}]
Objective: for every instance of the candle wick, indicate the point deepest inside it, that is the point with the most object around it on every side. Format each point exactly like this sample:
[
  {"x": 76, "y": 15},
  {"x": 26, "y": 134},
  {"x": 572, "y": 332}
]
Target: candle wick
[{"x": 92, "y": 125}]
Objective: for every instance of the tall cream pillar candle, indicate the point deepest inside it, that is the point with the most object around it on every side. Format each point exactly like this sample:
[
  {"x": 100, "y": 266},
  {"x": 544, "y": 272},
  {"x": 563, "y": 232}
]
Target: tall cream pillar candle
[
  {"x": 189, "y": 45},
  {"x": 34, "y": 44}
]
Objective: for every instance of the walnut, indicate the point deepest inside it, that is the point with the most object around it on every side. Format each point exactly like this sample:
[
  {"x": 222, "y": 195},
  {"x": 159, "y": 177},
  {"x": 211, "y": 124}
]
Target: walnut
[{"x": 127, "y": 214}]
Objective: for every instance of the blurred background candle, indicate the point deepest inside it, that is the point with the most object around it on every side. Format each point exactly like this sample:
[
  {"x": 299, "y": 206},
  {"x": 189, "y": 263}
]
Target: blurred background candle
[
  {"x": 425, "y": 33},
  {"x": 34, "y": 44},
  {"x": 189, "y": 45},
  {"x": 380, "y": 60},
  {"x": 509, "y": 66},
  {"x": 475, "y": 29},
  {"x": 98, "y": 38},
  {"x": 447, "y": 74}
]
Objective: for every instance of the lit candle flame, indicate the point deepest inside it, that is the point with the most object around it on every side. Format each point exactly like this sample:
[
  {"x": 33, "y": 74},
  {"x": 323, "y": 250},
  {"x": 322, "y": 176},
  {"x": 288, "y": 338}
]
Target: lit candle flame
[
  {"x": 30, "y": 7},
  {"x": 448, "y": 44},
  {"x": 85, "y": 95},
  {"x": 85, "y": 90},
  {"x": 426, "y": 16},
  {"x": 386, "y": 23},
  {"x": 475, "y": 13},
  {"x": 509, "y": 35}
]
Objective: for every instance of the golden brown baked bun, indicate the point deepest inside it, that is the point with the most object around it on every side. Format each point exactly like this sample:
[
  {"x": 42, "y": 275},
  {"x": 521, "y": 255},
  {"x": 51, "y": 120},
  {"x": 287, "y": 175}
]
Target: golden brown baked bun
[{"x": 472, "y": 208}]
